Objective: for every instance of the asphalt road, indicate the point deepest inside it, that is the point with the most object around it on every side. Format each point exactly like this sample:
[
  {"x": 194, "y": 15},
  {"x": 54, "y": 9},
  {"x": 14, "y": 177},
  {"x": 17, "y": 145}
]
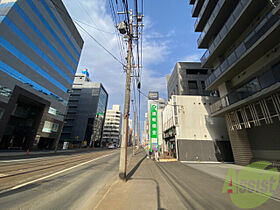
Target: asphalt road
[{"x": 72, "y": 185}]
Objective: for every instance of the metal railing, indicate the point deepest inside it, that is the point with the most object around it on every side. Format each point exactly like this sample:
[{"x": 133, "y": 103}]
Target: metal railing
[
  {"x": 225, "y": 29},
  {"x": 259, "y": 83},
  {"x": 202, "y": 10},
  {"x": 251, "y": 39},
  {"x": 210, "y": 21}
]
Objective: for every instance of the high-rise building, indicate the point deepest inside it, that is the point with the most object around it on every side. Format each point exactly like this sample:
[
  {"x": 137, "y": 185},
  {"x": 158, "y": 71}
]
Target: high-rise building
[
  {"x": 86, "y": 112},
  {"x": 112, "y": 126},
  {"x": 188, "y": 78},
  {"x": 242, "y": 45},
  {"x": 40, "y": 49}
]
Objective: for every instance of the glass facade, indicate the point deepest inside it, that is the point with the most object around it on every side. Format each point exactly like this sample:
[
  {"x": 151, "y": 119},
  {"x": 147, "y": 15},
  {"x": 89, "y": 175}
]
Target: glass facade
[
  {"x": 33, "y": 45},
  {"x": 102, "y": 103},
  {"x": 100, "y": 112}
]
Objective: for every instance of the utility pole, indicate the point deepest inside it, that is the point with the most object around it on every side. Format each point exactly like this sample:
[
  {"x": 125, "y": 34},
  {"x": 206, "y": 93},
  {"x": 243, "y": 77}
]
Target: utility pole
[{"x": 123, "y": 153}]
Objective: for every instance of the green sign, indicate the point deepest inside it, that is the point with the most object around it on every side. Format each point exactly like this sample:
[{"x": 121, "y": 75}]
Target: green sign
[{"x": 153, "y": 128}]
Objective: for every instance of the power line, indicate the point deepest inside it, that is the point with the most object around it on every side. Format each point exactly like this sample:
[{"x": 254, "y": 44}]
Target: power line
[
  {"x": 99, "y": 43},
  {"x": 93, "y": 26}
]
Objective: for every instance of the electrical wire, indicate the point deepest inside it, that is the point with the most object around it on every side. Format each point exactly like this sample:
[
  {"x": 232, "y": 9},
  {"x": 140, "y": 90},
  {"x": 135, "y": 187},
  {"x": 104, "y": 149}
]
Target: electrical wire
[{"x": 99, "y": 43}]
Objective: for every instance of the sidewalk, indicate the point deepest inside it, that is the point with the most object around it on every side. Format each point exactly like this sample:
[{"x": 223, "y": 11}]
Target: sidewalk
[{"x": 145, "y": 189}]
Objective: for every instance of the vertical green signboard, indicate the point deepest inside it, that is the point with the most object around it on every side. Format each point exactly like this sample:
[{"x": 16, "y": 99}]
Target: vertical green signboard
[{"x": 153, "y": 128}]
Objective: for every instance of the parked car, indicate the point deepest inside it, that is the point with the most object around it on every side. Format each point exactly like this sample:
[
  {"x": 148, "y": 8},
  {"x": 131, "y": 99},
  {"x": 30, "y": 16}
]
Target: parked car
[{"x": 112, "y": 146}]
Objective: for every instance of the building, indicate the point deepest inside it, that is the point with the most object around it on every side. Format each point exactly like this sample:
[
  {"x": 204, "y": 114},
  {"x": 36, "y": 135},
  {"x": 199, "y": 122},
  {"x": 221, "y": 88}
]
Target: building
[
  {"x": 242, "y": 41},
  {"x": 112, "y": 126},
  {"x": 191, "y": 134},
  {"x": 187, "y": 78},
  {"x": 40, "y": 49},
  {"x": 86, "y": 112}
]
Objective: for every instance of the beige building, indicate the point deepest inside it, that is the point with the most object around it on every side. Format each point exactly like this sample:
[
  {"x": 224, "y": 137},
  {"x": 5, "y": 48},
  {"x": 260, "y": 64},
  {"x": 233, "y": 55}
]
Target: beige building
[
  {"x": 191, "y": 134},
  {"x": 112, "y": 126}
]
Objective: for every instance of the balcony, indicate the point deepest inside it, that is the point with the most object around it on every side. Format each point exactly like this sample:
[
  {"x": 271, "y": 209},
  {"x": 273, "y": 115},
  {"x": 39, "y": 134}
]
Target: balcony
[
  {"x": 204, "y": 14},
  {"x": 241, "y": 17},
  {"x": 216, "y": 21},
  {"x": 197, "y": 7},
  {"x": 266, "y": 80},
  {"x": 262, "y": 39}
]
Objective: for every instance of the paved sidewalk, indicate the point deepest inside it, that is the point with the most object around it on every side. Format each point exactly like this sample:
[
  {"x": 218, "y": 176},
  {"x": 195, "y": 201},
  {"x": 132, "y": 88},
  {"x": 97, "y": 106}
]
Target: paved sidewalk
[{"x": 145, "y": 189}]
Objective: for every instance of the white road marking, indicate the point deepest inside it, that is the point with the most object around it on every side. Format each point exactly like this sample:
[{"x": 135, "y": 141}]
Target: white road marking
[
  {"x": 22, "y": 160},
  {"x": 56, "y": 173}
]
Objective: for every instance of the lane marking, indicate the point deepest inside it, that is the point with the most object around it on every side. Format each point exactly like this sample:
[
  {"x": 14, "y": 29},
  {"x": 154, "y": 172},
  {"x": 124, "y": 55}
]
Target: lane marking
[
  {"x": 19, "y": 160},
  {"x": 56, "y": 173},
  {"x": 36, "y": 158}
]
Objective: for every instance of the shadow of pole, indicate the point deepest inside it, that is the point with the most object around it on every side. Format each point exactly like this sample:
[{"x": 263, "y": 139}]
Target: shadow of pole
[{"x": 132, "y": 171}]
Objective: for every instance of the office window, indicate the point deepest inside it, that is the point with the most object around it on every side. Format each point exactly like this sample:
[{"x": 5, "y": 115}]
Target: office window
[{"x": 192, "y": 84}]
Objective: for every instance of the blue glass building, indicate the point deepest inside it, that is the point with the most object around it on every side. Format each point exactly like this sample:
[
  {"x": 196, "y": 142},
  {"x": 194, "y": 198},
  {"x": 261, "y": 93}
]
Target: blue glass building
[
  {"x": 86, "y": 112},
  {"x": 40, "y": 49}
]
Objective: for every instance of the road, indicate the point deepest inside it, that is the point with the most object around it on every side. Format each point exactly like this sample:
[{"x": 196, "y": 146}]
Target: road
[{"x": 75, "y": 181}]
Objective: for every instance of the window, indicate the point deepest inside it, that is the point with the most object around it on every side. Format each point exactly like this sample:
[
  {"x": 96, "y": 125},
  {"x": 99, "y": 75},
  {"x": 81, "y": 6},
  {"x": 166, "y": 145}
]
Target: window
[
  {"x": 50, "y": 127},
  {"x": 203, "y": 85},
  {"x": 192, "y": 84},
  {"x": 197, "y": 71}
]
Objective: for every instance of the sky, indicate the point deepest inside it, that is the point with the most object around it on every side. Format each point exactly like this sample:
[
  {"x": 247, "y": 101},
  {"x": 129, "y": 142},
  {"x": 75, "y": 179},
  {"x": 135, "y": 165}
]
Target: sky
[{"x": 168, "y": 38}]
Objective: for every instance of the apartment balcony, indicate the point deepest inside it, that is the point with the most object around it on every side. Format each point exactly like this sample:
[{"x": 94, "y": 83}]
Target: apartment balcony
[
  {"x": 192, "y": 2},
  {"x": 264, "y": 38},
  {"x": 197, "y": 7},
  {"x": 241, "y": 17},
  {"x": 204, "y": 14},
  {"x": 216, "y": 21},
  {"x": 258, "y": 87}
]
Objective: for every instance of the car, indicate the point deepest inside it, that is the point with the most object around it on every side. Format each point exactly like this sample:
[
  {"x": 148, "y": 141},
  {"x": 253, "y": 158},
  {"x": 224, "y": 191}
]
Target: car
[{"x": 112, "y": 146}]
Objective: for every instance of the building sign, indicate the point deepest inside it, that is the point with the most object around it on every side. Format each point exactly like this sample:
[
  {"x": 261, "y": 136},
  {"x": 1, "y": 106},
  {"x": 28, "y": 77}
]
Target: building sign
[
  {"x": 153, "y": 128},
  {"x": 153, "y": 95}
]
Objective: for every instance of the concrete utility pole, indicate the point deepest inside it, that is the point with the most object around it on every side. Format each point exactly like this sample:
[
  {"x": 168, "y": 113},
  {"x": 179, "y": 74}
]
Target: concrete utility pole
[{"x": 123, "y": 153}]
